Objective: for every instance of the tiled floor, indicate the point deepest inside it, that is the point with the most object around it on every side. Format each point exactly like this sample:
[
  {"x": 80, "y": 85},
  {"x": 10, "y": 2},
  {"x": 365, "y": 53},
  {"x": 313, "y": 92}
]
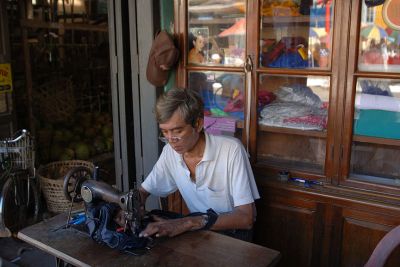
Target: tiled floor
[{"x": 23, "y": 254}]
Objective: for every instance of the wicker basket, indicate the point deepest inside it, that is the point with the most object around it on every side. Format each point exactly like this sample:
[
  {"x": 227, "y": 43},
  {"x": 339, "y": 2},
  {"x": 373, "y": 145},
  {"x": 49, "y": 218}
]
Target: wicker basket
[{"x": 51, "y": 177}]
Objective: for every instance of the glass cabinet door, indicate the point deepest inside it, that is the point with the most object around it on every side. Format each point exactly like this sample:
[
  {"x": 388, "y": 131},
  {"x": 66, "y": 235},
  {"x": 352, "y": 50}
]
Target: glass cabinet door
[
  {"x": 216, "y": 32},
  {"x": 375, "y": 153},
  {"x": 292, "y": 109},
  {"x": 215, "y": 55},
  {"x": 296, "y": 34},
  {"x": 292, "y": 121},
  {"x": 379, "y": 45},
  {"x": 375, "y": 147}
]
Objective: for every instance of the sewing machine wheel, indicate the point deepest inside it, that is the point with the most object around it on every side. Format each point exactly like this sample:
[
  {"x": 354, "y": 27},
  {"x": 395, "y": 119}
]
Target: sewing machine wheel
[{"x": 73, "y": 181}]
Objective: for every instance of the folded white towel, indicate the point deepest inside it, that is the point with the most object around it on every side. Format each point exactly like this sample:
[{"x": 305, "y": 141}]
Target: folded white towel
[{"x": 367, "y": 101}]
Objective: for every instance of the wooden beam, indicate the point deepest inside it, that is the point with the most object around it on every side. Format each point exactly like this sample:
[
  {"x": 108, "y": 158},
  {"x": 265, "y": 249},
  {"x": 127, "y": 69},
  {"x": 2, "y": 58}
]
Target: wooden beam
[{"x": 27, "y": 23}]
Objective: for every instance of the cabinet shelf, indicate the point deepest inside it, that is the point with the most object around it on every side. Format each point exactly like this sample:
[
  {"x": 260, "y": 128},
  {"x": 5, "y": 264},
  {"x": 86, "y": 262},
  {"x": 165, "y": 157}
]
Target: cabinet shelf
[
  {"x": 35, "y": 24},
  {"x": 282, "y": 164},
  {"x": 213, "y": 21},
  {"x": 291, "y": 19},
  {"x": 284, "y": 130},
  {"x": 376, "y": 140}
]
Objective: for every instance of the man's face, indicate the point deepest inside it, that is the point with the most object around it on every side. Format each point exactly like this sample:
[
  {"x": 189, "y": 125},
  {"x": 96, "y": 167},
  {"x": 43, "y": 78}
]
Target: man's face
[{"x": 181, "y": 136}]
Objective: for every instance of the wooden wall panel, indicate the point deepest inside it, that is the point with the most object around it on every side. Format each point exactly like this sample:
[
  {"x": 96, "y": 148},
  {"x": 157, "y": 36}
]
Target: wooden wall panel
[
  {"x": 361, "y": 233},
  {"x": 290, "y": 227}
]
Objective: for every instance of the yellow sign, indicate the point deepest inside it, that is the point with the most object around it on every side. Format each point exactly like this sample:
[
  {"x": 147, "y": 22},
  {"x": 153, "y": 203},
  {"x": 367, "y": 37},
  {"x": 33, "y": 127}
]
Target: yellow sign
[{"x": 5, "y": 78}]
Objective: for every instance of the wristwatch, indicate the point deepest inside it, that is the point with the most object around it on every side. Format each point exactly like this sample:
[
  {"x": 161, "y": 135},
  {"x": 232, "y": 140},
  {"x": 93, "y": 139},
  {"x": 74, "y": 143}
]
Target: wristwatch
[{"x": 204, "y": 221}]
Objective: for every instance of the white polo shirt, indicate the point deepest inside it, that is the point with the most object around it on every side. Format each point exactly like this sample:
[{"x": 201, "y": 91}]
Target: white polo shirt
[{"x": 224, "y": 178}]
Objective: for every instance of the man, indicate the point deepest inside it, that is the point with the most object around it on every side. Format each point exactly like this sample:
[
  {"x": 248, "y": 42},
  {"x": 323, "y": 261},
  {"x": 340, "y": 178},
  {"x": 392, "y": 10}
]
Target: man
[{"x": 211, "y": 172}]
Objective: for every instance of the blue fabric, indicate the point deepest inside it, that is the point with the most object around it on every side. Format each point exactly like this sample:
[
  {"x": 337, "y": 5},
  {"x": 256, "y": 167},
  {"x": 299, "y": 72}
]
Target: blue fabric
[
  {"x": 378, "y": 123},
  {"x": 102, "y": 228},
  {"x": 212, "y": 101},
  {"x": 371, "y": 88},
  {"x": 317, "y": 16},
  {"x": 289, "y": 60}
]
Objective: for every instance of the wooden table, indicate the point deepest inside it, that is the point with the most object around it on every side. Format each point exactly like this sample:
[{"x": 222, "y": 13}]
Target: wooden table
[{"x": 200, "y": 248}]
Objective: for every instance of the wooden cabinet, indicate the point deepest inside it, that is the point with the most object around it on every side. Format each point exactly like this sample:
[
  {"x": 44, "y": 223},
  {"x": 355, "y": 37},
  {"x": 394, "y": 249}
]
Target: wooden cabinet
[
  {"x": 292, "y": 226},
  {"x": 322, "y": 227},
  {"x": 312, "y": 88}
]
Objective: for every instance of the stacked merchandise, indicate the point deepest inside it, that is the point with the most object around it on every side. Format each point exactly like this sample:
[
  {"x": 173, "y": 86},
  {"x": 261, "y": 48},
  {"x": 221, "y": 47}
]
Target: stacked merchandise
[
  {"x": 377, "y": 111},
  {"x": 297, "y": 107}
]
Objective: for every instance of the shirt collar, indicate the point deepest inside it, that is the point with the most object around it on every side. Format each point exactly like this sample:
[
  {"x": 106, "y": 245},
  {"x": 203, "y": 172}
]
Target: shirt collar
[{"x": 209, "y": 150}]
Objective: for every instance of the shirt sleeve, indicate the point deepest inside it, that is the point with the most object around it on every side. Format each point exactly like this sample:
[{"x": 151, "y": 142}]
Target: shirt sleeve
[
  {"x": 160, "y": 181},
  {"x": 243, "y": 186}
]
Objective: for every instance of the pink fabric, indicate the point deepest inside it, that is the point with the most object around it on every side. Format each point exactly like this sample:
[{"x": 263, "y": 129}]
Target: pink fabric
[
  {"x": 308, "y": 120},
  {"x": 235, "y": 104}
]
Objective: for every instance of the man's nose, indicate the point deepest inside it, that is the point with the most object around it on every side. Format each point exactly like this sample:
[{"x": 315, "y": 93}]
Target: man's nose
[{"x": 168, "y": 135}]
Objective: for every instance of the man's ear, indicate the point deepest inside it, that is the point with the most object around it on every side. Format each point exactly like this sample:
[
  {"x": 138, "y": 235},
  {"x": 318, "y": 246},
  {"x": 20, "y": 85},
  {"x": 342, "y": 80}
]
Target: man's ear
[{"x": 199, "y": 124}]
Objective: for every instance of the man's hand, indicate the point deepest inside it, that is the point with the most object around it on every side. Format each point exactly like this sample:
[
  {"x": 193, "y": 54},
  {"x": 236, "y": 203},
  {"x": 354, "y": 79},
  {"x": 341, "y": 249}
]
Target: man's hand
[{"x": 172, "y": 227}]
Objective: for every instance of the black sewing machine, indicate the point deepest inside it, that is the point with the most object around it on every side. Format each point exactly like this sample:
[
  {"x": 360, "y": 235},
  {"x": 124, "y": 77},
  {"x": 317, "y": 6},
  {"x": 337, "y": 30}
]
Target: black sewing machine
[{"x": 82, "y": 184}]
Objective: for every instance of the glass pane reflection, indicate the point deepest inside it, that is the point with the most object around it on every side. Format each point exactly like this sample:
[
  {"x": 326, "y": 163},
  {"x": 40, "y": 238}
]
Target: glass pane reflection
[
  {"x": 379, "y": 46},
  {"x": 223, "y": 96},
  {"x": 292, "y": 121},
  {"x": 297, "y": 102},
  {"x": 216, "y": 32},
  {"x": 296, "y": 34},
  {"x": 375, "y": 151},
  {"x": 377, "y": 108}
]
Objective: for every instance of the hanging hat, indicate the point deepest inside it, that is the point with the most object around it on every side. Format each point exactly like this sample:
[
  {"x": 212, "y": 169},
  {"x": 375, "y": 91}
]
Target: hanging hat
[
  {"x": 371, "y": 3},
  {"x": 163, "y": 56}
]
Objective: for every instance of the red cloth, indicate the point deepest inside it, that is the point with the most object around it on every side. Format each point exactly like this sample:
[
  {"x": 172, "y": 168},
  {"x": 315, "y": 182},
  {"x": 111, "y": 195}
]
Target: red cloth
[
  {"x": 394, "y": 60},
  {"x": 328, "y": 17}
]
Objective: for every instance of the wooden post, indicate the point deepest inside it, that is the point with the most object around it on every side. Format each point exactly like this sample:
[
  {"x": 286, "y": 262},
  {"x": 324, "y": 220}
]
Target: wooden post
[{"x": 28, "y": 69}]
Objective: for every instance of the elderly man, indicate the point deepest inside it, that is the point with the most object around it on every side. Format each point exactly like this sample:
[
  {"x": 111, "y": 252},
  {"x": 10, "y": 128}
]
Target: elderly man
[{"x": 212, "y": 173}]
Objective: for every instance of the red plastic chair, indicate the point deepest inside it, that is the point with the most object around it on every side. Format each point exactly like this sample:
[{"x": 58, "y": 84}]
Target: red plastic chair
[{"x": 384, "y": 248}]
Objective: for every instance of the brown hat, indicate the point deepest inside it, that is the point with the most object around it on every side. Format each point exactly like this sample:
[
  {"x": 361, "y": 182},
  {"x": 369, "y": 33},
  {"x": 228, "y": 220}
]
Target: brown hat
[{"x": 163, "y": 56}]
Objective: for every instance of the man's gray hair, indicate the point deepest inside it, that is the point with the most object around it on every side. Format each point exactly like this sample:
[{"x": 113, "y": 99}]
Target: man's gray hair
[{"x": 187, "y": 101}]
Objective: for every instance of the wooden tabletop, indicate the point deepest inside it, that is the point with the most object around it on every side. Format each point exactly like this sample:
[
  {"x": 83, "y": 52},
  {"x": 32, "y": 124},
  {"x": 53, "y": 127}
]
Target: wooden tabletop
[{"x": 199, "y": 248}]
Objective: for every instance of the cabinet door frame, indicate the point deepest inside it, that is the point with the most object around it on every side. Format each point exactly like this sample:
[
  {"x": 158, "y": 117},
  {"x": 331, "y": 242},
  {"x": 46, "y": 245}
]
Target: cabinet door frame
[
  {"x": 334, "y": 127},
  {"x": 351, "y": 44},
  {"x": 180, "y": 29},
  {"x": 342, "y": 72}
]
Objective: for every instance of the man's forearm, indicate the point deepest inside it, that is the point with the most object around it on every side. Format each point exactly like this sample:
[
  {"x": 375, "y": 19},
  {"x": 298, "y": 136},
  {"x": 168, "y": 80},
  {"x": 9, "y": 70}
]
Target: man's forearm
[
  {"x": 242, "y": 217},
  {"x": 143, "y": 195}
]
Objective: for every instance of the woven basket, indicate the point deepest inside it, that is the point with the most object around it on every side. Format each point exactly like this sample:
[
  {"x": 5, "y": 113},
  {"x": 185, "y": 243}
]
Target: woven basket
[{"x": 51, "y": 177}]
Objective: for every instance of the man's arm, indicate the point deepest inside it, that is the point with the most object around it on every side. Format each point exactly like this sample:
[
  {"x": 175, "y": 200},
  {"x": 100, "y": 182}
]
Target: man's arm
[
  {"x": 143, "y": 196},
  {"x": 240, "y": 218}
]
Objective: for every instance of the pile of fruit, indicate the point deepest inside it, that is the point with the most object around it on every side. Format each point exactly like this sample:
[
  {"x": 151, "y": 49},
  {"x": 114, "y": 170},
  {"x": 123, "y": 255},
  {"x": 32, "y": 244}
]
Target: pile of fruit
[{"x": 88, "y": 135}]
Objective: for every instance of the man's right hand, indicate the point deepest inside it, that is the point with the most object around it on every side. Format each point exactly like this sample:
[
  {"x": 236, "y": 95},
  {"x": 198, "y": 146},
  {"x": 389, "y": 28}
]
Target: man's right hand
[{"x": 163, "y": 227}]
